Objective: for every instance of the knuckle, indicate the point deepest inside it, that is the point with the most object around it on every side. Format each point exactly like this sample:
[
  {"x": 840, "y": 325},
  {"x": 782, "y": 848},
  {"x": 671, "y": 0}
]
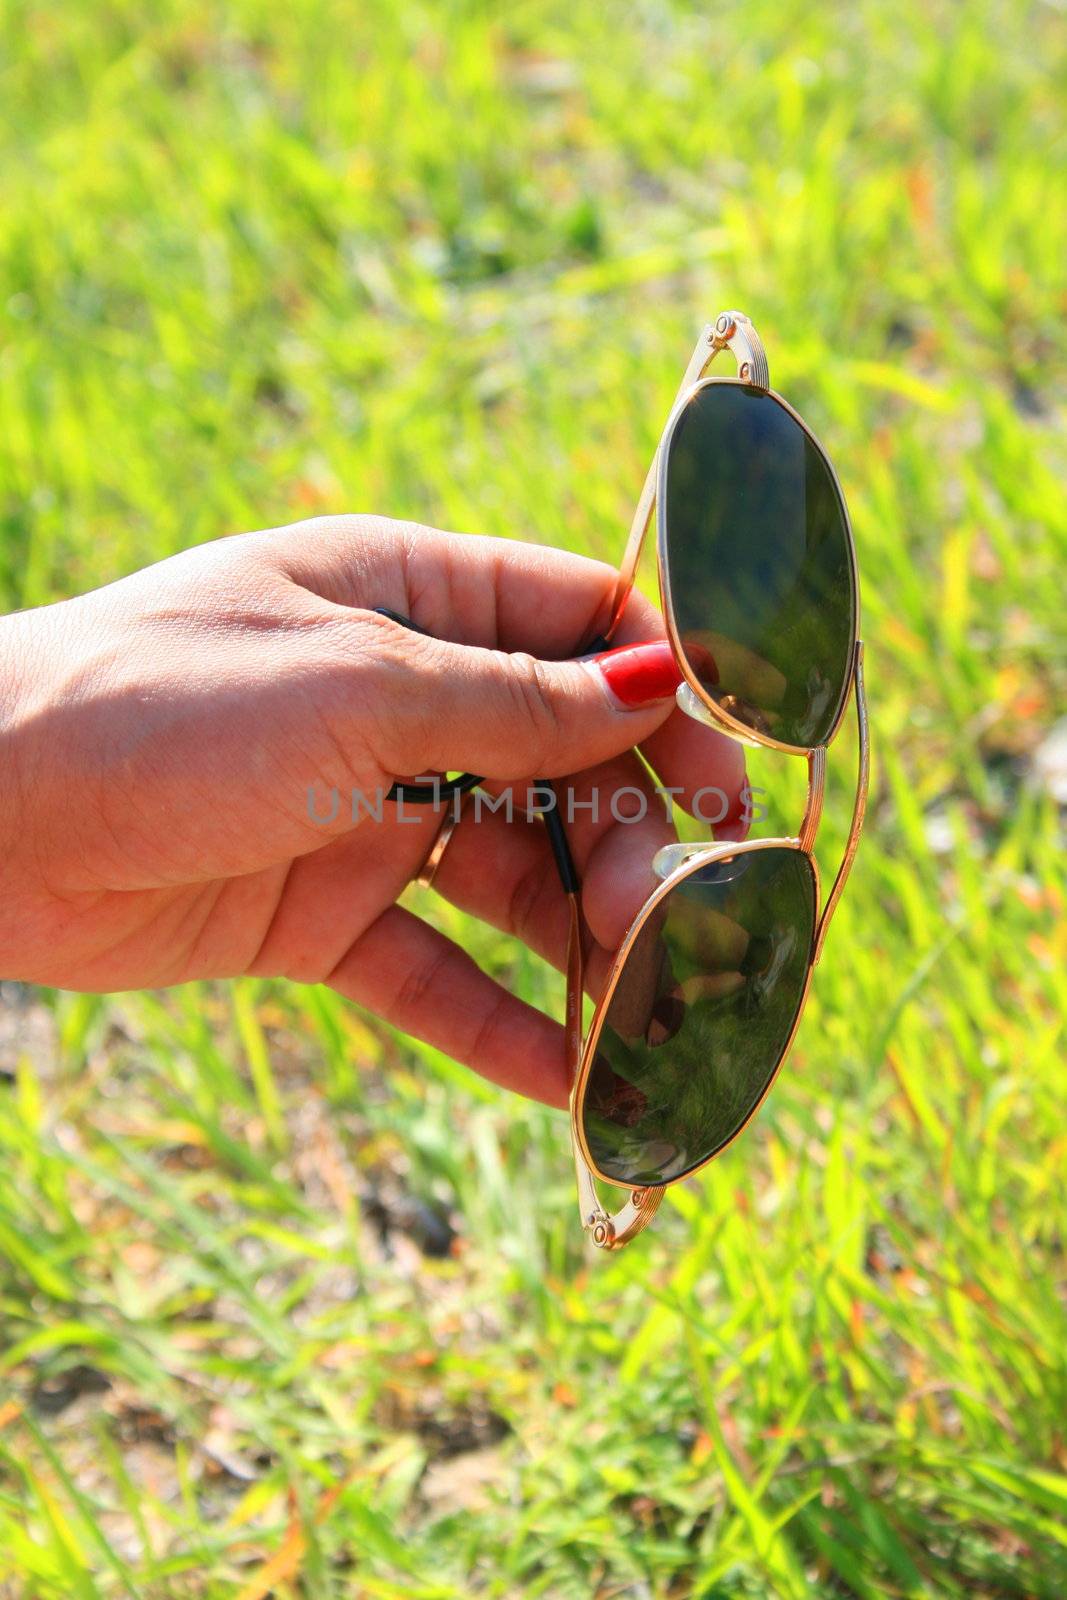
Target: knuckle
[
  {"x": 370, "y": 675},
  {"x": 533, "y": 702},
  {"x": 418, "y": 984},
  {"x": 487, "y": 1036},
  {"x": 525, "y": 898}
]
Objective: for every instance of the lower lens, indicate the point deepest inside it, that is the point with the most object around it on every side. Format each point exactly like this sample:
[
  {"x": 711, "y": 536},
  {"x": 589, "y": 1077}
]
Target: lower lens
[{"x": 701, "y": 1016}]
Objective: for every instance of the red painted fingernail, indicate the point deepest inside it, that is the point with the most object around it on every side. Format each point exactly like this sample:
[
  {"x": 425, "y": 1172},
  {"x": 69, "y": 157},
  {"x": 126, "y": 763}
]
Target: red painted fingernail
[
  {"x": 638, "y": 674},
  {"x": 702, "y": 662}
]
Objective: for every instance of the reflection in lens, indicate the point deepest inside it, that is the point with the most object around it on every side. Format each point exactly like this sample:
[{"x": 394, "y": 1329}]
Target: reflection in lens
[
  {"x": 759, "y": 564},
  {"x": 700, "y": 1017}
]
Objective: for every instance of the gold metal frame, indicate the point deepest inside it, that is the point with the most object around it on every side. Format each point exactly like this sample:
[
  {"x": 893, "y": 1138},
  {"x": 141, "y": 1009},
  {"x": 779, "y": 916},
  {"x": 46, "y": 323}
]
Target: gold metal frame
[{"x": 733, "y": 331}]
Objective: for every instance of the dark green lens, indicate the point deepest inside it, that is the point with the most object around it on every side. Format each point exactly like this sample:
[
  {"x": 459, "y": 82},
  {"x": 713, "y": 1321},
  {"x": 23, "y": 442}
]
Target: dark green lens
[
  {"x": 760, "y": 564},
  {"x": 701, "y": 1016}
]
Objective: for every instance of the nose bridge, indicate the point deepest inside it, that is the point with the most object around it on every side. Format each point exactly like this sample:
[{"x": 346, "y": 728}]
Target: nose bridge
[
  {"x": 672, "y": 856},
  {"x": 816, "y": 790}
]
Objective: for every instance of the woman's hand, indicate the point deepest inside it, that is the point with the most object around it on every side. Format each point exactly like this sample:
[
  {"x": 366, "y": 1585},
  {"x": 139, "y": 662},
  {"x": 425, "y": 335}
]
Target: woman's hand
[{"x": 159, "y": 739}]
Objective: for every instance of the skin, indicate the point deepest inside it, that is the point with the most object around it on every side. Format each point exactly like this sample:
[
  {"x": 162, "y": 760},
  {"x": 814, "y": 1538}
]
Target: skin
[{"x": 158, "y": 738}]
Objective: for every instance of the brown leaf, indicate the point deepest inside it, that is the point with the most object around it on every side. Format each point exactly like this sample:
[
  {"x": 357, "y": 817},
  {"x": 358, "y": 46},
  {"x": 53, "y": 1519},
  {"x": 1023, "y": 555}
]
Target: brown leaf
[{"x": 286, "y": 1561}]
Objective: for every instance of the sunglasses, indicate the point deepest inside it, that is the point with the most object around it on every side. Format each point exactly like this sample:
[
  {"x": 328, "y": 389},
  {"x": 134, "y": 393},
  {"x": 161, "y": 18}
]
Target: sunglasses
[{"x": 759, "y": 592}]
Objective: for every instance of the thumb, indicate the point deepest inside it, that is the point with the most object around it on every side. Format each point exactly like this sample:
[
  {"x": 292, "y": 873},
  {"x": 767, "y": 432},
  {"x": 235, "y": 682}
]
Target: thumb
[{"x": 445, "y": 707}]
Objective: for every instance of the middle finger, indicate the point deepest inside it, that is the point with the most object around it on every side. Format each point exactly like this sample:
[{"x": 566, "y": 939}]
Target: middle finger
[{"x": 502, "y": 870}]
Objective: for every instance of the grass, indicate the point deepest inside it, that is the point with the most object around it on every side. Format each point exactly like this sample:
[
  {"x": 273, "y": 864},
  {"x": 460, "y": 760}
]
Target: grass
[{"x": 446, "y": 261}]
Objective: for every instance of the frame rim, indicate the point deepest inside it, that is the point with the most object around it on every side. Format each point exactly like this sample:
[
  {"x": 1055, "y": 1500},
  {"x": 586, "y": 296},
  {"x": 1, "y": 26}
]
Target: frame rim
[
  {"x": 715, "y": 852},
  {"x": 729, "y": 724}
]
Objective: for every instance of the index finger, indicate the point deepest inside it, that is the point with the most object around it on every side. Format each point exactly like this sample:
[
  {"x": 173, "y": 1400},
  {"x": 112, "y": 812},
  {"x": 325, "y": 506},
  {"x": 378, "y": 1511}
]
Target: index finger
[{"x": 471, "y": 589}]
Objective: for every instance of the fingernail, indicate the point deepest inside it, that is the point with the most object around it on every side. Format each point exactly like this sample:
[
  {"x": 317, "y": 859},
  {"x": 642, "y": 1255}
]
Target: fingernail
[
  {"x": 702, "y": 662},
  {"x": 638, "y": 674}
]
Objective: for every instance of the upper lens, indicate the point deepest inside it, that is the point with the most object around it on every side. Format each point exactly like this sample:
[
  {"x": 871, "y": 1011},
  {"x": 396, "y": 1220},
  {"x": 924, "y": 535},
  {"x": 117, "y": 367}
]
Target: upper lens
[
  {"x": 759, "y": 563},
  {"x": 701, "y": 1016}
]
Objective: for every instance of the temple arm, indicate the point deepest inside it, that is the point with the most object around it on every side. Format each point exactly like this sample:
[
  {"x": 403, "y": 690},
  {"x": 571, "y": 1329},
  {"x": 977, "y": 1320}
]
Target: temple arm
[
  {"x": 859, "y": 807},
  {"x": 731, "y": 331},
  {"x": 606, "y": 1231}
]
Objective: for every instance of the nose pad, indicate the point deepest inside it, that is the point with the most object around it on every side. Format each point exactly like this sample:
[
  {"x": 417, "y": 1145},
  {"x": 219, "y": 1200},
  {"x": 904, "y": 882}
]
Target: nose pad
[
  {"x": 688, "y": 701},
  {"x": 669, "y": 857}
]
